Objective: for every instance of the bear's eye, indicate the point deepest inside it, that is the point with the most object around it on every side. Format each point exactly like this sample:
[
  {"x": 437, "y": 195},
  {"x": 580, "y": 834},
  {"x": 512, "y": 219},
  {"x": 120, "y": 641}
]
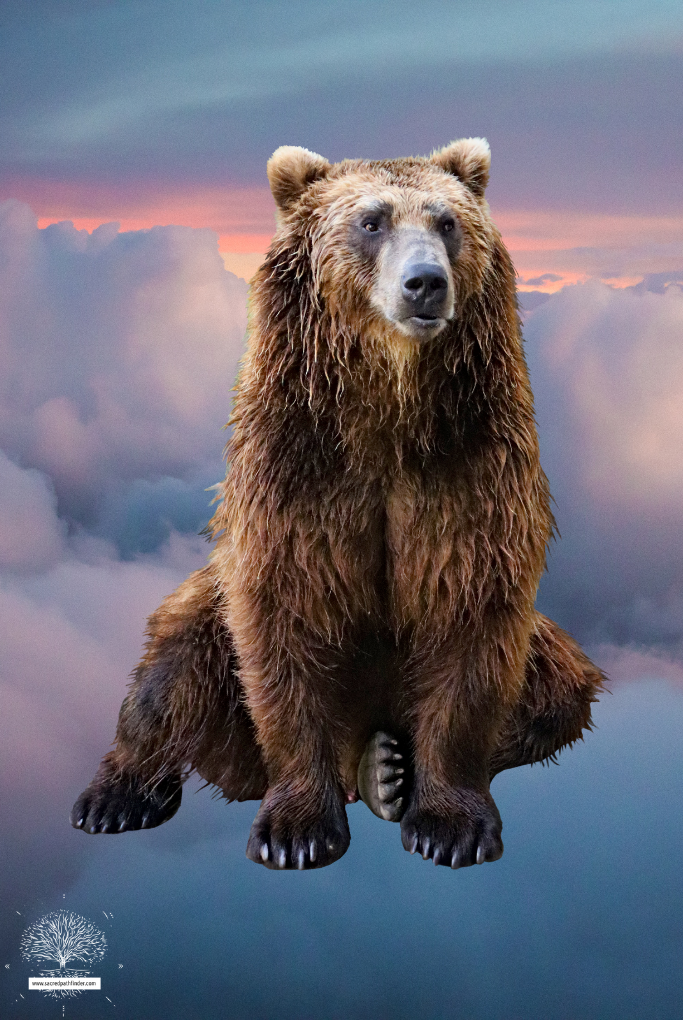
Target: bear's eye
[
  {"x": 371, "y": 225},
  {"x": 448, "y": 225}
]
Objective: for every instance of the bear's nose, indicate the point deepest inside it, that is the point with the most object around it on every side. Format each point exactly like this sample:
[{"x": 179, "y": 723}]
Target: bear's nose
[{"x": 424, "y": 284}]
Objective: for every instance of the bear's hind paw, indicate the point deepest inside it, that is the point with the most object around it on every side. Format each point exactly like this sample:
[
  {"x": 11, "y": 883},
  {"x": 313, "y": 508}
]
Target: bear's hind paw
[
  {"x": 382, "y": 781},
  {"x": 123, "y": 804}
]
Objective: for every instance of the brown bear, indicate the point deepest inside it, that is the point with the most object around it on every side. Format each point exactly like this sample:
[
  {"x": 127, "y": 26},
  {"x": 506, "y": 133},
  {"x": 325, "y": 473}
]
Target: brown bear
[{"x": 366, "y": 622}]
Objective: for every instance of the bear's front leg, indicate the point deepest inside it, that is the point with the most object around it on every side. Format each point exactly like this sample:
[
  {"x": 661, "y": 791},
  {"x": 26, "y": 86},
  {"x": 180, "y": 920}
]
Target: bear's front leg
[
  {"x": 460, "y": 690},
  {"x": 291, "y": 679},
  {"x": 297, "y": 828}
]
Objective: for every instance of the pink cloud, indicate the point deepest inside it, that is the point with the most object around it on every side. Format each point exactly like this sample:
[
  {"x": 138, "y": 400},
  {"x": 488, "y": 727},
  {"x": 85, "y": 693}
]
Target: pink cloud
[
  {"x": 117, "y": 360},
  {"x": 572, "y": 244},
  {"x": 620, "y": 358},
  {"x": 119, "y": 353},
  {"x": 629, "y": 664},
  {"x": 31, "y": 535},
  {"x": 69, "y": 637},
  {"x": 242, "y": 216}
]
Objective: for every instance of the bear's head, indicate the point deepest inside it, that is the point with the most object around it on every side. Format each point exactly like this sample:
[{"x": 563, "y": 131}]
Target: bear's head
[{"x": 392, "y": 246}]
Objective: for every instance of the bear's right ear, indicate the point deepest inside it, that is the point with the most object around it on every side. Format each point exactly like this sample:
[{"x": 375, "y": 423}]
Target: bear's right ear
[
  {"x": 469, "y": 160},
  {"x": 291, "y": 169}
]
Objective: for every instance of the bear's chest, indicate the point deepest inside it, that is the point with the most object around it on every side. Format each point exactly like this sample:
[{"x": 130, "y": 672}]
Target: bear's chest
[
  {"x": 428, "y": 540},
  {"x": 427, "y": 500}
]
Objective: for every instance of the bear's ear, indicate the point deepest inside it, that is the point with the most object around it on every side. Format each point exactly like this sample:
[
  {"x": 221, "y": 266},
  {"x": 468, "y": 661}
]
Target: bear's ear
[
  {"x": 469, "y": 160},
  {"x": 290, "y": 170}
]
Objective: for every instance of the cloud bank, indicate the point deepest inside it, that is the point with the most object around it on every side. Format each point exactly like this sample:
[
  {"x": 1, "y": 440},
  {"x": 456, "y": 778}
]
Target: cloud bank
[
  {"x": 607, "y": 370},
  {"x": 118, "y": 356},
  {"x": 167, "y": 102},
  {"x": 118, "y": 353}
]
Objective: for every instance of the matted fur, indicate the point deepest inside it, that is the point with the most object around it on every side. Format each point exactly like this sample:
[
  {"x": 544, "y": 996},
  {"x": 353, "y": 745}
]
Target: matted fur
[{"x": 380, "y": 537}]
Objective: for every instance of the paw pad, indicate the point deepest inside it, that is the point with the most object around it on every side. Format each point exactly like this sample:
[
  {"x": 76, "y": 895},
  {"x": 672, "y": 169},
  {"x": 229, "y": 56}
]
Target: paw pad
[{"x": 382, "y": 777}]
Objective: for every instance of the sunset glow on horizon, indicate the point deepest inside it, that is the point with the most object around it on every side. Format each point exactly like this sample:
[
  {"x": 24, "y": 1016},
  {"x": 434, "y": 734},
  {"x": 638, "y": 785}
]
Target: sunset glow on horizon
[{"x": 553, "y": 244}]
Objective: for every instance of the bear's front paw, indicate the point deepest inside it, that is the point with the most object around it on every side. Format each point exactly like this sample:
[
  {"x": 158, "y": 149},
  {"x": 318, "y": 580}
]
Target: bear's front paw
[
  {"x": 114, "y": 803},
  {"x": 470, "y": 834},
  {"x": 287, "y": 834}
]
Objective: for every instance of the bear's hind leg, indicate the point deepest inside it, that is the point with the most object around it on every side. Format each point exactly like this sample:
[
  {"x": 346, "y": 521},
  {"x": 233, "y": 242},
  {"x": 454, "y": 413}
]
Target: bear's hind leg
[
  {"x": 554, "y": 708},
  {"x": 183, "y": 711}
]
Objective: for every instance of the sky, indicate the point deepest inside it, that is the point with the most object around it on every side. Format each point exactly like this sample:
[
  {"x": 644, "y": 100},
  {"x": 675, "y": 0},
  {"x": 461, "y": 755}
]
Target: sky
[
  {"x": 150, "y": 112},
  {"x": 133, "y": 209}
]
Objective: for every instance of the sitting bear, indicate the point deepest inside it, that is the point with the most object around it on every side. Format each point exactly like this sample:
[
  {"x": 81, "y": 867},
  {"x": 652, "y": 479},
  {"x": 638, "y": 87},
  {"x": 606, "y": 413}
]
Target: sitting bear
[{"x": 366, "y": 623}]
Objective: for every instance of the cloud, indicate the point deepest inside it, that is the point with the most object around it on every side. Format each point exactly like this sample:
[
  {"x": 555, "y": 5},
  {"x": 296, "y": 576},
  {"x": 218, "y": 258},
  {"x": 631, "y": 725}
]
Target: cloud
[
  {"x": 543, "y": 279},
  {"x": 607, "y": 371},
  {"x": 120, "y": 352},
  {"x": 69, "y": 637},
  {"x": 531, "y": 300},
  {"x": 619, "y": 359},
  {"x": 119, "y": 355},
  {"x": 633, "y": 664},
  {"x": 203, "y": 105},
  {"x": 231, "y": 62},
  {"x": 31, "y": 535},
  {"x": 660, "y": 282}
]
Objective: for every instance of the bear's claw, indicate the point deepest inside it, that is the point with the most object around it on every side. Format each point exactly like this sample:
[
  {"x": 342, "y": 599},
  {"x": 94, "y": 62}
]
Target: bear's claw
[
  {"x": 470, "y": 835},
  {"x": 122, "y": 804},
  {"x": 280, "y": 840},
  {"x": 381, "y": 777}
]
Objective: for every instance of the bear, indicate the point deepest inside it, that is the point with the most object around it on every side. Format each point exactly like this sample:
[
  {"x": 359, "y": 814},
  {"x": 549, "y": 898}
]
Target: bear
[{"x": 366, "y": 625}]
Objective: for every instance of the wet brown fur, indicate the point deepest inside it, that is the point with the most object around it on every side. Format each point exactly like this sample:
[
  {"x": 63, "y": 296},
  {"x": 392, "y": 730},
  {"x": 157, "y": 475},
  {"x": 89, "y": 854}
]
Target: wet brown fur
[{"x": 380, "y": 537}]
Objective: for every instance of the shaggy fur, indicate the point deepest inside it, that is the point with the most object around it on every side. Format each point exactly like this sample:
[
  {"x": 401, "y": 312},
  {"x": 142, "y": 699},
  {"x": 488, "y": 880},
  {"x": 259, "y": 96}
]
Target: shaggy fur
[{"x": 380, "y": 537}]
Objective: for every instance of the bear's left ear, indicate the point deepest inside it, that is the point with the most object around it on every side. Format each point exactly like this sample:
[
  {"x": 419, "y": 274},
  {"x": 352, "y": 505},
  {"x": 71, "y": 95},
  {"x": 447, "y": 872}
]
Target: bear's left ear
[
  {"x": 469, "y": 160},
  {"x": 291, "y": 169}
]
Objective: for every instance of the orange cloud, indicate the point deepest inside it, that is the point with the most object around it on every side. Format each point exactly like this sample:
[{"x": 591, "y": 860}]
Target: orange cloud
[
  {"x": 242, "y": 216},
  {"x": 573, "y": 246}
]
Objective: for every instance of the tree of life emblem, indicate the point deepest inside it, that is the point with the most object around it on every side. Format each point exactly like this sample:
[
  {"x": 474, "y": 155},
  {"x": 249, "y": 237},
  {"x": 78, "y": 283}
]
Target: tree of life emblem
[{"x": 63, "y": 938}]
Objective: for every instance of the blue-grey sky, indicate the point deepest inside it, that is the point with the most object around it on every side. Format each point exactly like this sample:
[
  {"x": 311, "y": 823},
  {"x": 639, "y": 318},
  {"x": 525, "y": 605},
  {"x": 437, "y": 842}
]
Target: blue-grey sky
[{"x": 580, "y": 100}]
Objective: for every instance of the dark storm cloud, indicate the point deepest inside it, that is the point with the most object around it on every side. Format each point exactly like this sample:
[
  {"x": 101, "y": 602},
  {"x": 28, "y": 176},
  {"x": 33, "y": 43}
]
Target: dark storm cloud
[{"x": 579, "y": 101}]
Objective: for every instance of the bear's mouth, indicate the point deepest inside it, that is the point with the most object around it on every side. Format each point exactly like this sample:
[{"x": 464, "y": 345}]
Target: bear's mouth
[{"x": 424, "y": 324}]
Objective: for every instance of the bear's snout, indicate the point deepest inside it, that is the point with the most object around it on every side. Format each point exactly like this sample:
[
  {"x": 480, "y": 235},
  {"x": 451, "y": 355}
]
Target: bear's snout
[
  {"x": 414, "y": 288},
  {"x": 424, "y": 286}
]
